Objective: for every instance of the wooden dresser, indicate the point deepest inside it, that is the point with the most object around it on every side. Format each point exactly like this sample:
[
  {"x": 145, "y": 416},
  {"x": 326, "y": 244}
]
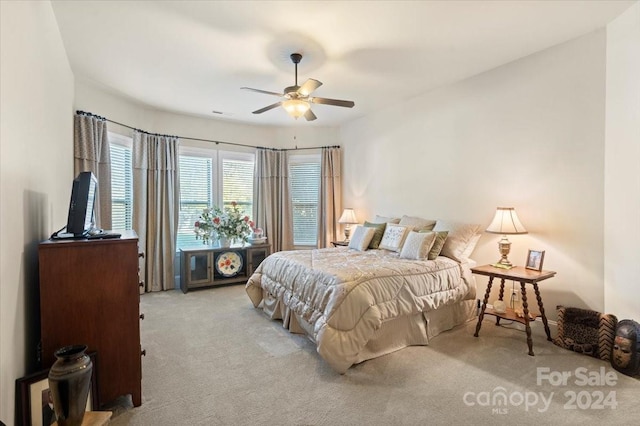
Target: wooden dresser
[{"x": 89, "y": 294}]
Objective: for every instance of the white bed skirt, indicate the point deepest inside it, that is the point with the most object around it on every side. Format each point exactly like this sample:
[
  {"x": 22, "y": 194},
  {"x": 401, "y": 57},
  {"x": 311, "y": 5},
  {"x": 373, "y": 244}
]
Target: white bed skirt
[{"x": 396, "y": 334}]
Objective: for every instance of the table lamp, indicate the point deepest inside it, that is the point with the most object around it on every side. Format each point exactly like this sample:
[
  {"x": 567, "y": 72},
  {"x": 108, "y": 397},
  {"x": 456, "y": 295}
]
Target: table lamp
[
  {"x": 505, "y": 222},
  {"x": 348, "y": 218}
]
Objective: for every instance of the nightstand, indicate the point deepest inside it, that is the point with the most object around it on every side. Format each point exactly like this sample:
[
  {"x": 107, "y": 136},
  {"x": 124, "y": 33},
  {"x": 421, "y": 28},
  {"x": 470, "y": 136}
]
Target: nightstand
[
  {"x": 340, "y": 243},
  {"x": 523, "y": 276}
]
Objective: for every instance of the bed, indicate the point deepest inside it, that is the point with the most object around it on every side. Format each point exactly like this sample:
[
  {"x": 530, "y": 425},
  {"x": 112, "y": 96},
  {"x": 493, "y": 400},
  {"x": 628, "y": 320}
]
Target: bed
[{"x": 360, "y": 304}]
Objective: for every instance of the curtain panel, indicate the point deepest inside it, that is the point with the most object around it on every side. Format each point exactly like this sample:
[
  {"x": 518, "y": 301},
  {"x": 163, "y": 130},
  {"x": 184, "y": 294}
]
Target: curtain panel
[
  {"x": 156, "y": 195},
  {"x": 272, "y": 205},
  {"x": 330, "y": 202},
  {"x": 91, "y": 153}
]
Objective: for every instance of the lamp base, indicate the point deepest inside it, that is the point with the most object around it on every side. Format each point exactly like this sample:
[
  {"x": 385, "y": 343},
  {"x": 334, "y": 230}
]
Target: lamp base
[
  {"x": 347, "y": 232},
  {"x": 504, "y": 246},
  {"x": 501, "y": 266},
  {"x": 504, "y": 262}
]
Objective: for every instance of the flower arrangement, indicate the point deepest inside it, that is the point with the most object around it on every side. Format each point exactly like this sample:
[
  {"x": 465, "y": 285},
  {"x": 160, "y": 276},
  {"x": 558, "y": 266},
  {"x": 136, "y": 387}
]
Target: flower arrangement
[{"x": 230, "y": 222}]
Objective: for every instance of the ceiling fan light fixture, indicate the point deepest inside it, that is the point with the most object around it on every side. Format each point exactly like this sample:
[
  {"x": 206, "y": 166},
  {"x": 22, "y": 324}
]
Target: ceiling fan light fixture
[
  {"x": 296, "y": 107},
  {"x": 297, "y": 99}
]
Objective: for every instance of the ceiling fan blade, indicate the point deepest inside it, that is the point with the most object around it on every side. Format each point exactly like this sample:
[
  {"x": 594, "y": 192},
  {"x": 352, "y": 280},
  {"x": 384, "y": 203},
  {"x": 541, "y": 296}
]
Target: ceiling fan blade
[
  {"x": 309, "y": 115},
  {"x": 267, "y": 108},
  {"x": 336, "y": 102},
  {"x": 262, "y": 91},
  {"x": 309, "y": 86}
]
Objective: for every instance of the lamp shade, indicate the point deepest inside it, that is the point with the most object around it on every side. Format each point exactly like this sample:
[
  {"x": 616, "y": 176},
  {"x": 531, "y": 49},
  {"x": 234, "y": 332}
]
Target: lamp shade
[
  {"x": 506, "y": 222},
  {"x": 348, "y": 216},
  {"x": 296, "y": 107}
]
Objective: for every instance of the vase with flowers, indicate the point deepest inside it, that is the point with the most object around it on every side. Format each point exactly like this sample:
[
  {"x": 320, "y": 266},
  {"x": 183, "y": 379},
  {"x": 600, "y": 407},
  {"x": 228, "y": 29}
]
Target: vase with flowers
[{"x": 227, "y": 225}]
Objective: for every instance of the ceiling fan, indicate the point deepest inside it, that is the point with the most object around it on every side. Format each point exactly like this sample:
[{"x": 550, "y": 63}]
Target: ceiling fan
[{"x": 297, "y": 99}]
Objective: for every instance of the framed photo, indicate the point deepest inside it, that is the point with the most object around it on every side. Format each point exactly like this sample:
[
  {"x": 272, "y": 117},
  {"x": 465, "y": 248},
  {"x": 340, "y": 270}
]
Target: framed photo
[
  {"x": 535, "y": 259},
  {"x": 33, "y": 399}
]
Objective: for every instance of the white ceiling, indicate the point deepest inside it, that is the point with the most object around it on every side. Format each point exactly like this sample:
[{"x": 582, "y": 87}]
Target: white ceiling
[{"x": 192, "y": 57}]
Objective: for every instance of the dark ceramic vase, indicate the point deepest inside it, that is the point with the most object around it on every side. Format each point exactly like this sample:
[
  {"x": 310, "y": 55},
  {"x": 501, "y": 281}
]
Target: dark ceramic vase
[{"x": 69, "y": 380}]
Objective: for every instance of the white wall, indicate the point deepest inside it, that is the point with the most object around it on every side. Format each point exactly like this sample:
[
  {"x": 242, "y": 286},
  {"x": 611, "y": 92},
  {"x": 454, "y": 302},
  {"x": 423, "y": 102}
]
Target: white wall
[
  {"x": 36, "y": 157},
  {"x": 622, "y": 166},
  {"x": 529, "y": 134},
  {"x": 98, "y": 100}
]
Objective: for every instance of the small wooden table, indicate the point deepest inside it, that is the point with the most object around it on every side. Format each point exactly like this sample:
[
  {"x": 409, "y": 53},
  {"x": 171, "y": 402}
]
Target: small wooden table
[{"x": 523, "y": 276}]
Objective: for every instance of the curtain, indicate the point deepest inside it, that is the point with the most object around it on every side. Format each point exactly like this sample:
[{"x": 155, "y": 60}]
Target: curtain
[
  {"x": 271, "y": 202},
  {"x": 91, "y": 153},
  {"x": 329, "y": 205},
  {"x": 156, "y": 195}
]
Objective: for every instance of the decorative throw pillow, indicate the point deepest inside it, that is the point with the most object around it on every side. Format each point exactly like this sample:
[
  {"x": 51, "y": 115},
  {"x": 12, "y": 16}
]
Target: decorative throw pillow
[
  {"x": 441, "y": 237},
  {"x": 361, "y": 238},
  {"x": 585, "y": 331},
  {"x": 393, "y": 237},
  {"x": 385, "y": 219},
  {"x": 460, "y": 239},
  {"x": 417, "y": 223},
  {"x": 473, "y": 241},
  {"x": 417, "y": 245},
  {"x": 379, "y": 232}
]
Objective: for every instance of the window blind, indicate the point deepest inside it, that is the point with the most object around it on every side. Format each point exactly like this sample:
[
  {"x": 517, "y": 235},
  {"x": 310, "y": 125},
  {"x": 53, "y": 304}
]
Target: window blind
[
  {"x": 121, "y": 187},
  {"x": 196, "y": 181},
  {"x": 304, "y": 180},
  {"x": 237, "y": 184}
]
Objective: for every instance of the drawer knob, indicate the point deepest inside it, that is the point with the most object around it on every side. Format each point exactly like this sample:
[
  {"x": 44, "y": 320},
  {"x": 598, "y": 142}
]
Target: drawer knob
[
  {"x": 141, "y": 255},
  {"x": 141, "y": 284},
  {"x": 141, "y": 316},
  {"x": 143, "y": 352}
]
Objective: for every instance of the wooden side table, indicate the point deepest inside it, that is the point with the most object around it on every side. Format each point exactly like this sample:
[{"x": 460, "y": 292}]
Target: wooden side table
[{"x": 523, "y": 276}]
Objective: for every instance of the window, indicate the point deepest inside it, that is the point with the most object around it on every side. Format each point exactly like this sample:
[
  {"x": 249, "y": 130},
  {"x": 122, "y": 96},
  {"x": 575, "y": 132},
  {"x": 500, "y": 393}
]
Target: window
[
  {"x": 211, "y": 178},
  {"x": 237, "y": 180},
  {"x": 208, "y": 177},
  {"x": 304, "y": 178},
  {"x": 121, "y": 182},
  {"x": 196, "y": 191}
]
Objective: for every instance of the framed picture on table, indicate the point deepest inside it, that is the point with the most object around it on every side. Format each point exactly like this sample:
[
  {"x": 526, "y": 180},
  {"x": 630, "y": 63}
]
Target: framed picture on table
[
  {"x": 535, "y": 259},
  {"x": 33, "y": 398}
]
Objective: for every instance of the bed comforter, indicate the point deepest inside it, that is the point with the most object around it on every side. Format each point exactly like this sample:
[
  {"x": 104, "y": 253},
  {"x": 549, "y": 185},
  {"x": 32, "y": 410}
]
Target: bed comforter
[{"x": 345, "y": 296}]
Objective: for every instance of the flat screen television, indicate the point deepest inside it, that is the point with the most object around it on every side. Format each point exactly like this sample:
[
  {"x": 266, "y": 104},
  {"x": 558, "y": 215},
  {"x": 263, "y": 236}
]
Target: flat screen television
[{"x": 81, "y": 217}]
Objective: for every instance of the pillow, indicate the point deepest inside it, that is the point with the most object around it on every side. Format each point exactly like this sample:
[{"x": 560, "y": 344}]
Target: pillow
[
  {"x": 441, "y": 237},
  {"x": 377, "y": 236},
  {"x": 460, "y": 239},
  {"x": 417, "y": 223},
  {"x": 385, "y": 219},
  {"x": 473, "y": 241},
  {"x": 393, "y": 237},
  {"x": 417, "y": 245},
  {"x": 361, "y": 238}
]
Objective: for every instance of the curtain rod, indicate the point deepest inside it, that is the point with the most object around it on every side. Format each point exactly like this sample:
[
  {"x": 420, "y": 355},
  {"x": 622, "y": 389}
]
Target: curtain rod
[{"x": 203, "y": 140}]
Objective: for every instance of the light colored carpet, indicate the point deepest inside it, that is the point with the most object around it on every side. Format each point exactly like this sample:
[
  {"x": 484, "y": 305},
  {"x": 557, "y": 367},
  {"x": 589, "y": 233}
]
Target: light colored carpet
[{"x": 212, "y": 359}]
